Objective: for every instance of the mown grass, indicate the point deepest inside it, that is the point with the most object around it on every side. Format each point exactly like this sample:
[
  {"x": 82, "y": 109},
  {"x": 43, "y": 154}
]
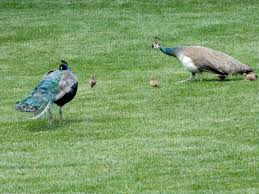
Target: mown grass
[{"x": 124, "y": 136}]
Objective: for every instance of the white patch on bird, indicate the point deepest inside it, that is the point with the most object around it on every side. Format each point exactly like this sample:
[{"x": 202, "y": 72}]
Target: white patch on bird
[
  {"x": 187, "y": 63},
  {"x": 62, "y": 83},
  {"x": 60, "y": 95},
  {"x": 67, "y": 89},
  {"x": 156, "y": 45}
]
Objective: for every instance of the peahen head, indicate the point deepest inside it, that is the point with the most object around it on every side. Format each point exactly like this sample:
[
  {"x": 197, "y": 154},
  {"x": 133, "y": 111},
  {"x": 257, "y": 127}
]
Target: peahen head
[
  {"x": 63, "y": 65},
  {"x": 156, "y": 43}
]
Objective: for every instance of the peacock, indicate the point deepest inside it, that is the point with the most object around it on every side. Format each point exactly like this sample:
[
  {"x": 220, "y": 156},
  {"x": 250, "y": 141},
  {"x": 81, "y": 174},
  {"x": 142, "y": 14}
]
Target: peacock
[
  {"x": 57, "y": 86},
  {"x": 198, "y": 59}
]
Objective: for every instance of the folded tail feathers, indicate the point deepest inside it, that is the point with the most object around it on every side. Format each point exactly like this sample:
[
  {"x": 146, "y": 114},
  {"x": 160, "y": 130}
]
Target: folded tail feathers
[
  {"x": 38, "y": 102},
  {"x": 42, "y": 111},
  {"x": 34, "y": 102},
  {"x": 43, "y": 94}
]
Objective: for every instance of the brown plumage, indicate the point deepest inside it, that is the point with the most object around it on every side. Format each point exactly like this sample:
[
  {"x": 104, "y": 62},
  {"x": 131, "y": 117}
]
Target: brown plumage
[
  {"x": 197, "y": 59},
  {"x": 206, "y": 59},
  {"x": 250, "y": 76},
  {"x": 92, "y": 81},
  {"x": 153, "y": 82}
]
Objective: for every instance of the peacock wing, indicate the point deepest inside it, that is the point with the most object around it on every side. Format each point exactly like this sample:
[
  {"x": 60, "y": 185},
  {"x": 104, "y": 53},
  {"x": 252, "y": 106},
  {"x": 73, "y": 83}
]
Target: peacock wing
[
  {"x": 66, "y": 84},
  {"x": 42, "y": 96}
]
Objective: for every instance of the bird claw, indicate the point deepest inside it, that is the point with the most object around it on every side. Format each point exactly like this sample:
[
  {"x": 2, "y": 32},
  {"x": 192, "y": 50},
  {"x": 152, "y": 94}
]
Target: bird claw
[{"x": 187, "y": 80}]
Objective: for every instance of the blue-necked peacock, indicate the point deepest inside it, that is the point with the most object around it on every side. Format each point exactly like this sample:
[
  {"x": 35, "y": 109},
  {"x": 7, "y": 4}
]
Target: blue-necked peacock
[
  {"x": 57, "y": 86},
  {"x": 197, "y": 59}
]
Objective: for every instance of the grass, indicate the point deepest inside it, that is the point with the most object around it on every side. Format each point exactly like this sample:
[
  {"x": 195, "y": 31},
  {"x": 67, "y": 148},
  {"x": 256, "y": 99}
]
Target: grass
[{"x": 124, "y": 136}]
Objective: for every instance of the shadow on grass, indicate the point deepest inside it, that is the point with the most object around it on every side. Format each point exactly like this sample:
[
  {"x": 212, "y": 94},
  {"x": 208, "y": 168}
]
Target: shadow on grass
[
  {"x": 225, "y": 80},
  {"x": 216, "y": 80},
  {"x": 42, "y": 125}
]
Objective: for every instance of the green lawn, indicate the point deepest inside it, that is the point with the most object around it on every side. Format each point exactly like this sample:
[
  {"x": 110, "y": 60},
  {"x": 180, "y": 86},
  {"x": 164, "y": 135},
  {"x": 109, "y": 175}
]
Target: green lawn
[{"x": 124, "y": 136}]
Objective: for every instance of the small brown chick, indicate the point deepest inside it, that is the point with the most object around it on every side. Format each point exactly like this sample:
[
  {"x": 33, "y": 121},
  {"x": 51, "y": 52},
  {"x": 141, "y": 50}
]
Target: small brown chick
[
  {"x": 250, "y": 76},
  {"x": 92, "y": 81},
  {"x": 153, "y": 82}
]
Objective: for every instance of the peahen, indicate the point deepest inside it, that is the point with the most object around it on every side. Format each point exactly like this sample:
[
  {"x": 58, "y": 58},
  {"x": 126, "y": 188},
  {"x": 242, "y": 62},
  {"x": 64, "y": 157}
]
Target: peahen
[
  {"x": 197, "y": 59},
  {"x": 92, "y": 81},
  {"x": 153, "y": 82},
  {"x": 57, "y": 86}
]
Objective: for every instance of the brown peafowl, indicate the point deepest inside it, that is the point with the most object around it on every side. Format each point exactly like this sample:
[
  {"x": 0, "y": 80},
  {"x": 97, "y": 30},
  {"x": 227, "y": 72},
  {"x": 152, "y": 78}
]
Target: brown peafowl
[
  {"x": 92, "y": 81},
  {"x": 57, "y": 86},
  {"x": 197, "y": 59},
  {"x": 250, "y": 76},
  {"x": 153, "y": 82}
]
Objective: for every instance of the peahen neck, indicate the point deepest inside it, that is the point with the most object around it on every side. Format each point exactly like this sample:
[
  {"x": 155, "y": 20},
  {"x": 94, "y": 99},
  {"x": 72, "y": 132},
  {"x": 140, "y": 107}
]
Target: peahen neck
[{"x": 170, "y": 51}]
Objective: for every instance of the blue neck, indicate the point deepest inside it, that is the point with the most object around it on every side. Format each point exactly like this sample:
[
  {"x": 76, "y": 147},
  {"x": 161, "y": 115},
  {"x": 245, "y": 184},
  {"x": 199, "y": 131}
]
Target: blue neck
[{"x": 170, "y": 51}]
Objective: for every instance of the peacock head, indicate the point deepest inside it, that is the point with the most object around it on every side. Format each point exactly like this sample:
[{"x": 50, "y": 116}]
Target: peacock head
[
  {"x": 156, "y": 43},
  {"x": 63, "y": 65}
]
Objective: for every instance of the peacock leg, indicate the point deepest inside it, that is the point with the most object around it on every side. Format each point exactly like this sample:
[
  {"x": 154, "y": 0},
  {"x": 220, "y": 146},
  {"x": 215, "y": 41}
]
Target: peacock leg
[
  {"x": 61, "y": 113},
  {"x": 189, "y": 79},
  {"x": 50, "y": 117}
]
